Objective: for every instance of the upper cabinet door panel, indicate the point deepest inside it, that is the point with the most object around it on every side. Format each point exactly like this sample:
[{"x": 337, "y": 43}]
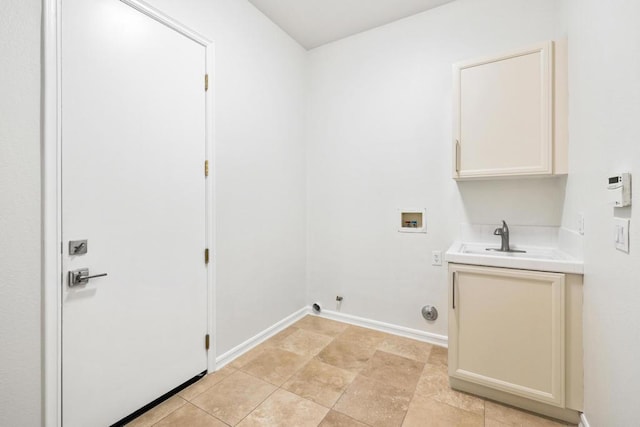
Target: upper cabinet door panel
[
  {"x": 504, "y": 114},
  {"x": 502, "y": 120}
]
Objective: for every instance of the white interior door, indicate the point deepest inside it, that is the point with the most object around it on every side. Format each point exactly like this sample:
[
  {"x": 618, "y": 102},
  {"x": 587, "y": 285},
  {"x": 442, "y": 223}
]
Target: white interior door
[{"x": 133, "y": 185}]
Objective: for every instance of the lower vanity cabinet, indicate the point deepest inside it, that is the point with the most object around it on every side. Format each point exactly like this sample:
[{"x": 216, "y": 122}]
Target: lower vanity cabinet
[{"x": 515, "y": 336}]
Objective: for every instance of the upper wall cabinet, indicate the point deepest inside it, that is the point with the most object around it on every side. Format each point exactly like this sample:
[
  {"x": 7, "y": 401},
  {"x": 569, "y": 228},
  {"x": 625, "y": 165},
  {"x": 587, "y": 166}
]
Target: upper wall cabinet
[{"x": 510, "y": 114}]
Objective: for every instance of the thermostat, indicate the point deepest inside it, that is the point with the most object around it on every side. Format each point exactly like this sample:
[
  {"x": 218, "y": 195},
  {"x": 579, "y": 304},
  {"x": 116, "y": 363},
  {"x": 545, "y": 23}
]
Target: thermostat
[{"x": 619, "y": 189}]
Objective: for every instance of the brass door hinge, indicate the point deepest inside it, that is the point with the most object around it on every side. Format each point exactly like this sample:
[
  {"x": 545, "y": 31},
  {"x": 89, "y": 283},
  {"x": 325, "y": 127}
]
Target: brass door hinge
[
  {"x": 206, "y": 256},
  {"x": 206, "y": 341},
  {"x": 206, "y": 82},
  {"x": 206, "y": 168}
]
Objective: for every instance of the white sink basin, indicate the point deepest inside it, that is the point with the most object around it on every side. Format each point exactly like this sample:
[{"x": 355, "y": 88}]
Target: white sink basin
[{"x": 535, "y": 258}]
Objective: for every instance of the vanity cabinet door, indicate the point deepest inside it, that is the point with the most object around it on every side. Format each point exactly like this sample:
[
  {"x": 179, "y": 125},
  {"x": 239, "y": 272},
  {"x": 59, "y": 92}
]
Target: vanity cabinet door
[
  {"x": 507, "y": 330},
  {"x": 504, "y": 115}
]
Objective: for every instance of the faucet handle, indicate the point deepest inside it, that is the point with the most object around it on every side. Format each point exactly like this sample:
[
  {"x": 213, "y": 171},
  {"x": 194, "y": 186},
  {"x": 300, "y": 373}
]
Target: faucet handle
[{"x": 500, "y": 231}]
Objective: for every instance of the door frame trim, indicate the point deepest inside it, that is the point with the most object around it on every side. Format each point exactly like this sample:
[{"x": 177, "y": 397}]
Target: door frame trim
[{"x": 51, "y": 203}]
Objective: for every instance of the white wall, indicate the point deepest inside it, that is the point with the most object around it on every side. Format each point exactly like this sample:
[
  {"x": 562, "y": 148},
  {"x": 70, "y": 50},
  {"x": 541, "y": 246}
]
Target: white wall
[
  {"x": 259, "y": 165},
  {"x": 604, "y": 103},
  {"x": 20, "y": 213},
  {"x": 379, "y": 132}
]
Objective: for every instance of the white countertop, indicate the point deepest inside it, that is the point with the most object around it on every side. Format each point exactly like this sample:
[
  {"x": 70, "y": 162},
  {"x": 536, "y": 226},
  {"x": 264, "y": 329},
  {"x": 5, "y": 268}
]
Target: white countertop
[{"x": 536, "y": 258}]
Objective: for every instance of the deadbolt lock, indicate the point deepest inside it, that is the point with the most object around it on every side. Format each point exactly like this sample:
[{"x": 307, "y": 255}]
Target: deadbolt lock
[{"x": 77, "y": 247}]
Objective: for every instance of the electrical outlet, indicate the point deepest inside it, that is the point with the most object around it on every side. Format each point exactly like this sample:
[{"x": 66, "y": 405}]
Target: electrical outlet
[
  {"x": 436, "y": 258},
  {"x": 580, "y": 223}
]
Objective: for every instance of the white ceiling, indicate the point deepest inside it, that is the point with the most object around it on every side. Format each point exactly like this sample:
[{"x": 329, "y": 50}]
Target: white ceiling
[{"x": 313, "y": 23}]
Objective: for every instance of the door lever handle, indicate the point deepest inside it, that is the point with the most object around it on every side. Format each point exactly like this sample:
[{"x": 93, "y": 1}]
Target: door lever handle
[{"x": 81, "y": 277}]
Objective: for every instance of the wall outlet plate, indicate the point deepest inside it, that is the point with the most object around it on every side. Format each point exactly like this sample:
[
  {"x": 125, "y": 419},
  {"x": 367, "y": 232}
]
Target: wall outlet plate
[
  {"x": 436, "y": 258},
  {"x": 621, "y": 234}
]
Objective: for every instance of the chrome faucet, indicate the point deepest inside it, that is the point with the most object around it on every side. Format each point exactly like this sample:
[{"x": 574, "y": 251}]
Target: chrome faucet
[{"x": 503, "y": 232}]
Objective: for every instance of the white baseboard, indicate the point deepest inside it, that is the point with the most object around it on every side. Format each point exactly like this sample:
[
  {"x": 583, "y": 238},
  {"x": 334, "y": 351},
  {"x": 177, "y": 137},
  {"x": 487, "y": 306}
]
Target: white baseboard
[
  {"x": 252, "y": 342},
  {"x": 440, "y": 340},
  {"x": 239, "y": 350},
  {"x": 583, "y": 421}
]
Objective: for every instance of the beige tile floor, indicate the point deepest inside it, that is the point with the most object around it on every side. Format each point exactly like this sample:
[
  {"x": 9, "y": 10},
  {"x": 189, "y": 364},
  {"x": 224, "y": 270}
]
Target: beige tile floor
[{"x": 319, "y": 372}]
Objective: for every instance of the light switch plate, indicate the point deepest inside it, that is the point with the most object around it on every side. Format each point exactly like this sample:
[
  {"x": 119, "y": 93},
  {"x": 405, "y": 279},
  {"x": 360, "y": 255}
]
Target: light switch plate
[{"x": 621, "y": 234}]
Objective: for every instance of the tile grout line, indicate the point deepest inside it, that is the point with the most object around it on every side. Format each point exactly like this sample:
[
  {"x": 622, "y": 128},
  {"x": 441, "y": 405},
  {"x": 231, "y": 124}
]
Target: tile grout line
[
  {"x": 253, "y": 409},
  {"x": 258, "y": 405},
  {"x": 187, "y": 402},
  {"x": 484, "y": 412},
  {"x": 359, "y": 372},
  {"x": 208, "y": 388},
  {"x": 424, "y": 364},
  {"x": 313, "y": 357},
  {"x": 171, "y": 412},
  {"x": 350, "y": 416},
  {"x": 209, "y": 413},
  {"x": 277, "y": 387},
  {"x": 269, "y": 382},
  {"x": 213, "y": 415},
  {"x": 413, "y": 395}
]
